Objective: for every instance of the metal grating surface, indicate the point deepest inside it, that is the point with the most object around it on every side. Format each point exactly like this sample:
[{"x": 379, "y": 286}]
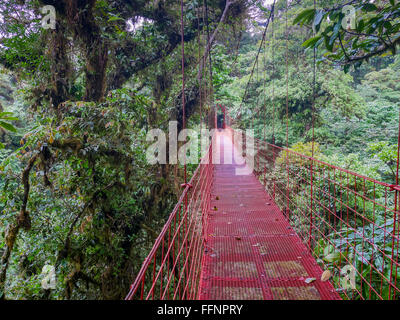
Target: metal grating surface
[{"x": 252, "y": 253}]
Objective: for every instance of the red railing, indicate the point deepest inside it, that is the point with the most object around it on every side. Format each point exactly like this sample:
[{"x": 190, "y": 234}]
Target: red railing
[
  {"x": 172, "y": 268},
  {"x": 348, "y": 221}
]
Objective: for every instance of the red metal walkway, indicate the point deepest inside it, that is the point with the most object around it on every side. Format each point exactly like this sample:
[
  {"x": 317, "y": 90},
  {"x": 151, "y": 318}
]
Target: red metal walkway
[{"x": 252, "y": 252}]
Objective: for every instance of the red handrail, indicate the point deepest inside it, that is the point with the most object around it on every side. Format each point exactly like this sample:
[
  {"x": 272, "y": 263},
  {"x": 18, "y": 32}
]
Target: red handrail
[
  {"x": 172, "y": 268},
  {"x": 349, "y": 221}
]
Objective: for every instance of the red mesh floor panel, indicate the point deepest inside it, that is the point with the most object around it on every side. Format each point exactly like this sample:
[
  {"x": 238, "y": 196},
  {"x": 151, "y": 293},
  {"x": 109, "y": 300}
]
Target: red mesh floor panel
[{"x": 252, "y": 252}]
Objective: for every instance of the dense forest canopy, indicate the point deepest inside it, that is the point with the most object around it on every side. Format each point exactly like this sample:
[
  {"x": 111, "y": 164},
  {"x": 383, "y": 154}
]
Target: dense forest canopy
[{"x": 76, "y": 101}]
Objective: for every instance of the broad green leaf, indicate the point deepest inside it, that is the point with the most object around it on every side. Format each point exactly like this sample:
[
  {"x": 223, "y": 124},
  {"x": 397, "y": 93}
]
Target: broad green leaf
[
  {"x": 114, "y": 18},
  {"x": 318, "y": 19},
  {"x": 332, "y": 257},
  {"x": 2, "y": 114},
  {"x": 328, "y": 45},
  {"x": 311, "y": 42},
  {"x": 369, "y": 7},
  {"x": 360, "y": 26},
  {"x": 305, "y": 16},
  {"x": 7, "y": 126}
]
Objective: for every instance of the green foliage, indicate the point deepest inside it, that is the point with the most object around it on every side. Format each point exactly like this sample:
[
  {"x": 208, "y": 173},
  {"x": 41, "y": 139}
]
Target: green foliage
[
  {"x": 88, "y": 93},
  {"x": 387, "y": 154},
  {"x": 24, "y": 50},
  {"x": 384, "y": 81},
  {"x": 307, "y": 149},
  {"x": 222, "y": 69},
  {"x": 341, "y": 236},
  {"x": 335, "y": 90},
  {"x": 370, "y": 259},
  {"x": 343, "y": 99},
  {"x": 95, "y": 204},
  {"x": 301, "y": 148},
  {"x": 5, "y": 117},
  {"x": 376, "y": 31},
  {"x": 101, "y": 180}
]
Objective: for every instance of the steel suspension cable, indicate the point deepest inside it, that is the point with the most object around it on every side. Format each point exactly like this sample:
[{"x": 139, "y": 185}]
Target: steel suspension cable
[
  {"x": 273, "y": 79},
  {"x": 395, "y": 219},
  {"x": 200, "y": 78},
  {"x": 238, "y": 114},
  {"x": 258, "y": 97},
  {"x": 265, "y": 105},
  {"x": 273, "y": 99},
  {"x": 183, "y": 128},
  {"x": 210, "y": 61},
  {"x": 237, "y": 50},
  {"x": 287, "y": 76},
  {"x": 264, "y": 88},
  {"x": 287, "y": 108},
  {"x": 313, "y": 138},
  {"x": 314, "y": 87},
  {"x": 183, "y": 86}
]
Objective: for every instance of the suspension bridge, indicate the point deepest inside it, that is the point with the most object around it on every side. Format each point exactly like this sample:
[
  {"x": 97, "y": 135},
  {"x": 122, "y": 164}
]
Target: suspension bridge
[
  {"x": 292, "y": 228},
  {"x": 274, "y": 232}
]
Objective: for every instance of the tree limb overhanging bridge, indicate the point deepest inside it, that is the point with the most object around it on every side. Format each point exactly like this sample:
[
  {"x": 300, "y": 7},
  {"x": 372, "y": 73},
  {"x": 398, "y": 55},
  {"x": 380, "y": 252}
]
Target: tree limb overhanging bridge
[{"x": 292, "y": 227}]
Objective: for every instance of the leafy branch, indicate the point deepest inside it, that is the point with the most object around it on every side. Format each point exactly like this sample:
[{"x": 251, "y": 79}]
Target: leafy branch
[{"x": 376, "y": 32}]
